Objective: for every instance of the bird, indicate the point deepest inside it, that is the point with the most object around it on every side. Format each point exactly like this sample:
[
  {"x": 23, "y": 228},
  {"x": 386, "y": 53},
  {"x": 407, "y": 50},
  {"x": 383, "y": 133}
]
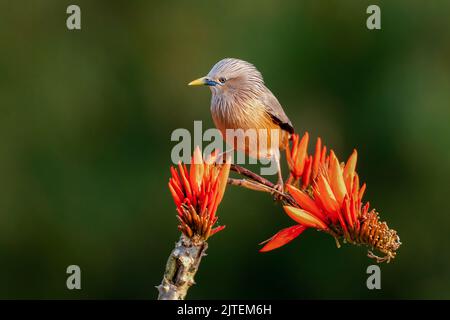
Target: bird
[{"x": 241, "y": 100}]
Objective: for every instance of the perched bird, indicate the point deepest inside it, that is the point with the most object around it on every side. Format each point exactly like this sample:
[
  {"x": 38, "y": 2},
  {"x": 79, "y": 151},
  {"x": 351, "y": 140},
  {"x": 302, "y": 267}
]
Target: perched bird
[{"x": 240, "y": 100}]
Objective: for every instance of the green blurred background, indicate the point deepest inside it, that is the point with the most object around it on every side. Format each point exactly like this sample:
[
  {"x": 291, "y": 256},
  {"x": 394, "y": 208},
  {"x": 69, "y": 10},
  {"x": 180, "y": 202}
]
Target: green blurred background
[{"x": 85, "y": 125}]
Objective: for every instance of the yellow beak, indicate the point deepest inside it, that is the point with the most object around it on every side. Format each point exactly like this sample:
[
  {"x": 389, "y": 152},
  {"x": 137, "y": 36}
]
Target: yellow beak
[{"x": 198, "y": 82}]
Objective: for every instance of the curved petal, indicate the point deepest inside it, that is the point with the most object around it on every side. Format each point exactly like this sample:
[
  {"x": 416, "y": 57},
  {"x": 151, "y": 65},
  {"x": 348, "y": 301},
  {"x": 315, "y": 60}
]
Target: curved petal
[
  {"x": 283, "y": 237},
  {"x": 315, "y": 167},
  {"x": 304, "y": 218},
  {"x": 196, "y": 170},
  {"x": 349, "y": 170},
  {"x": 336, "y": 179},
  {"x": 302, "y": 154},
  {"x": 305, "y": 201},
  {"x": 326, "y": 194},
  {"x": 223, "y": 177}
]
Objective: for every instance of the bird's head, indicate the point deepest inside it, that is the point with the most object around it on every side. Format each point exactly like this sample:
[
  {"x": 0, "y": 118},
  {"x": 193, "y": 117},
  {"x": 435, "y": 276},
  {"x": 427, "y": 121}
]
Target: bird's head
[{"x": 231, "y": 76}]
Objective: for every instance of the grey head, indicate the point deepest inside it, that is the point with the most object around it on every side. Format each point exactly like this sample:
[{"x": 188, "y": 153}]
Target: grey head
[{"x": 233, "y": 76}]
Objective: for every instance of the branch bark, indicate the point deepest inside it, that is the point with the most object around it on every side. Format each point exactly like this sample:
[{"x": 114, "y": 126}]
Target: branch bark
[
  {"x": 258, "y": 183},
  {"x": 181, "y": 268},
  {"x": 250, "y": 174}
]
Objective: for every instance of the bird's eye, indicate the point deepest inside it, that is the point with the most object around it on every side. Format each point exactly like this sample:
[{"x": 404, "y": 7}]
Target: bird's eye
[{"x": 222, "y": 80}]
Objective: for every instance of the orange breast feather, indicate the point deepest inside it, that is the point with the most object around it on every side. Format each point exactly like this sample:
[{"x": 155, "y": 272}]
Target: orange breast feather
[{"x": 252, "y": 129}]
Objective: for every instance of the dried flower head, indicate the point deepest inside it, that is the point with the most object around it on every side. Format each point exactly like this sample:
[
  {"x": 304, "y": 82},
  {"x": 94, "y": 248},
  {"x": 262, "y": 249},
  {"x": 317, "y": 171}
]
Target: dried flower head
[
  {"x": 197, "y": 193},
  {"x": 329, "y": 198}
]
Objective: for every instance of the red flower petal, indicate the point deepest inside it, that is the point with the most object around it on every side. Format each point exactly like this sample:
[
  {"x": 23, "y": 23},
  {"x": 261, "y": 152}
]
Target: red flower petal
[
  {"x": 196, "y": 170},
  {"x": 361, "y": 192},
  {"x": 301, "y": 154},
  {"x": 175, "y": 196},
  {"x": 307, "y": 172},
  {"x": 317, "y": 156},
  {"x": 223, "y": 178},
  {"x": 305, "y": 201},
  {"x": 283, "y": 237},
  {"x": 291, "y": 150},
  {"x": 185, "y": 181},
  {"x": 326, "y": 194},
  {"x": 349, "y": 170},
  {"x": 216, "y": 229},
  {"x": 336, "y": 179},
  {"x": 304, "y": 218}
]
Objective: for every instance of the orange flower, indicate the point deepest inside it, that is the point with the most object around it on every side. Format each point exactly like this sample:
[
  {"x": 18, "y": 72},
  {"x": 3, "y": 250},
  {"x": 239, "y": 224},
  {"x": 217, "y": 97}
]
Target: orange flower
[
  {"x": 334, "y": 205},
  {"x": 197, "y": 193},
  {"x": 303, "y": 166},
  {"x": 336, "y": 201}
]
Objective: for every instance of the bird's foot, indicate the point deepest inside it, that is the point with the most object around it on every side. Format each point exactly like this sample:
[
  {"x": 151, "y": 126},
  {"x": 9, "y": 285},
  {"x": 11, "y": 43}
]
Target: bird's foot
[{"x": 278, "y": 191}]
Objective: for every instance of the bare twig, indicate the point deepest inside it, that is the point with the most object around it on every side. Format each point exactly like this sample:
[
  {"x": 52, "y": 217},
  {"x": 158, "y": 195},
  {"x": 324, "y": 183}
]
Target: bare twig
[
  {"x": 258, "y": 183},
  {"x": 250, "y": 174},
  {"x": 250, "y": 184}
]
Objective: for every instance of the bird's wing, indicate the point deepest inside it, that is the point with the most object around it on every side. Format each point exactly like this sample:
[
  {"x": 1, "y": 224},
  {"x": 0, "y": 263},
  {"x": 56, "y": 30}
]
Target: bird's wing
[{"x": 276, "y": 112}]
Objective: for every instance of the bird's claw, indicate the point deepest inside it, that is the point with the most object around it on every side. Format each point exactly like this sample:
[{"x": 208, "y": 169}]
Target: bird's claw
[{"x": 278, "y": 191}]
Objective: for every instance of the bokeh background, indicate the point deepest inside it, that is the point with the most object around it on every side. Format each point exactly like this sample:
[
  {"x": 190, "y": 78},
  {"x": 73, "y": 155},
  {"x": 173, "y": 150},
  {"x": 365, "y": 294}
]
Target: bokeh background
[{"x": 85, "y": 125}]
